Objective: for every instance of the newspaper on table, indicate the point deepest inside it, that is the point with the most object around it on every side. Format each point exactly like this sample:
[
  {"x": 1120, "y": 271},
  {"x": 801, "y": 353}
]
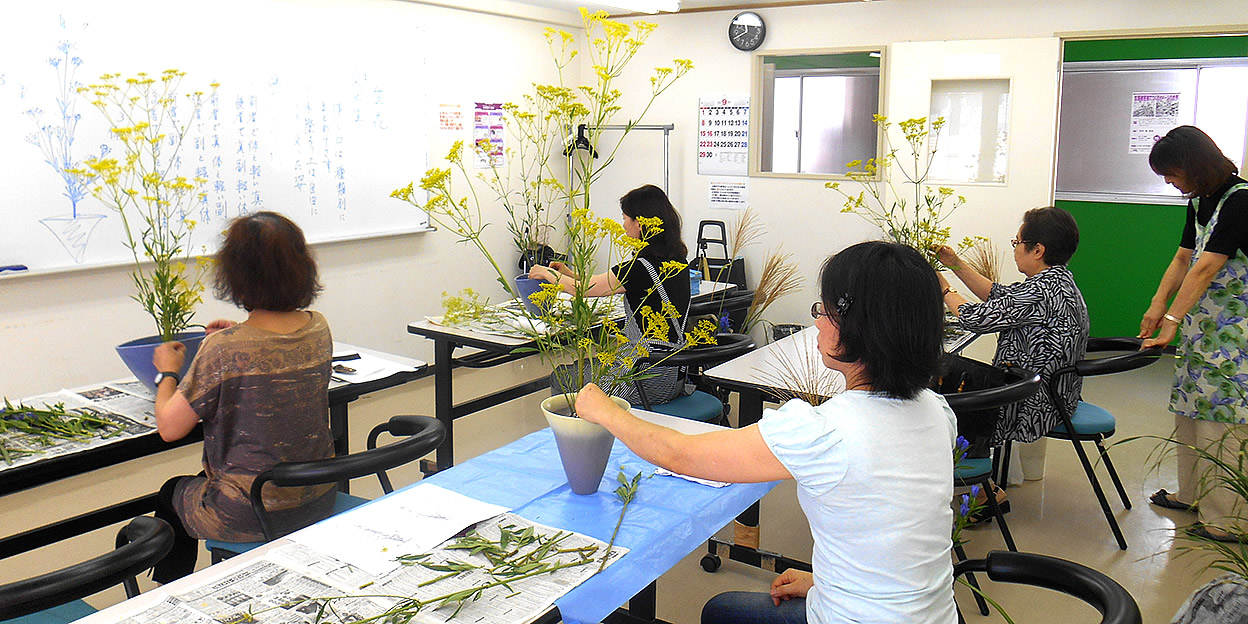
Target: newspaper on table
[
  {"x": 296, "y": 583},
  {"x": 362, "y": 368},
  {"x": 127, "y": 405},
  {"x": 508, "y": 319}
]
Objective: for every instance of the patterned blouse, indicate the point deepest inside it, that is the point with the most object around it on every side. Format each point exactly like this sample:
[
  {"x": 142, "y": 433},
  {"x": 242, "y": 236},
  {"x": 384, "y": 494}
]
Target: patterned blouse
[
  {"x": 1043, "y": 325},
  {"x": 262, "y": 398}
]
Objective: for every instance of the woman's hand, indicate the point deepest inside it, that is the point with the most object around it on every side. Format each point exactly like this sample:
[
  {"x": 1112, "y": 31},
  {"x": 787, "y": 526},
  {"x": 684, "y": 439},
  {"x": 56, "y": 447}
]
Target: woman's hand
[
  {"x": 791, "y": 584},
  {"x": 544, "y": 273},
  {"x": 947, "y": 256},
  {"x": 169, "y": 357},
  {"x": 217, "y": 326},
  {"x": 561, "y": 267},
  {"x": 593, "y": 405},
  {"x": 1152, "y": 319},
  {"x": 1164, "y": 336}
]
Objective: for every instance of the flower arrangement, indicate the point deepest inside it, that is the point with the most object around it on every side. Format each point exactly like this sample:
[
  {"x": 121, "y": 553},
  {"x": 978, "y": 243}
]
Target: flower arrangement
[
  {"x": 914, "y": 216},
  {"x": 579, "y": 328},
  {"x": 141, "y": 185}
]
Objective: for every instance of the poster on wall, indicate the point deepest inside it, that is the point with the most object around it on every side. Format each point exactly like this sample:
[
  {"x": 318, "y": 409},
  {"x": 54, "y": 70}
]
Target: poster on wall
[
  {"x": 729, "y": 196},
  {"x": 723, "y": 135},
  {"x": 487, "y": 125},
  {"x": 1152, "y": 116}
]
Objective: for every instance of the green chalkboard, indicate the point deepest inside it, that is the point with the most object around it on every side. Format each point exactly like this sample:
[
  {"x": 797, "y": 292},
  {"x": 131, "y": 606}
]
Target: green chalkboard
[
  {"x": 1123, "y": 250},
  {"x": 1153, "y": 48}
]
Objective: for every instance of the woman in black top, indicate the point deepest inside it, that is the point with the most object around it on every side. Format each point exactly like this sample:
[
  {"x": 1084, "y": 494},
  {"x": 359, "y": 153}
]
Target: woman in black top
[
  {"x": 1208, "y": 279},
  {"x": 639, "y": 280}
]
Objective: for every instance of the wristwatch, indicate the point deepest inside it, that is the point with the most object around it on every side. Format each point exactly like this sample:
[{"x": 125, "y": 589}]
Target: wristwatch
[{"x": 161, "y": 377}]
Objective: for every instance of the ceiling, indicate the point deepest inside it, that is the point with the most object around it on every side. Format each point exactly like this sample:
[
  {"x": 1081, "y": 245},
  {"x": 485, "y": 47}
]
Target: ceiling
[{"x": 686, "y": 6}]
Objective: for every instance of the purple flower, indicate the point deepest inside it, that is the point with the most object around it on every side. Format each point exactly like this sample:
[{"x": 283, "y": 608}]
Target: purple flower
[
  {"x": 725, "y": 323},
  {"x": 975, "y": 490}
]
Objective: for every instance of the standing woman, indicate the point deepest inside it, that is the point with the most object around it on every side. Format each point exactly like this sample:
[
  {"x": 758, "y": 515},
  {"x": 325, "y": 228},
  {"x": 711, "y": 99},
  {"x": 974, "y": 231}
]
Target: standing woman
[
  {"x": 644, "y": 283},
  {"x": 1207, "y": 279},
  {"x": 258, "y": 387},
  {"x": 872, "y": 464}
]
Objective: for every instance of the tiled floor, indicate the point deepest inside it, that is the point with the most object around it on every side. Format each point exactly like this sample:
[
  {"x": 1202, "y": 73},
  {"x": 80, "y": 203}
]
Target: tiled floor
[{"x": 1056, "y": 516}]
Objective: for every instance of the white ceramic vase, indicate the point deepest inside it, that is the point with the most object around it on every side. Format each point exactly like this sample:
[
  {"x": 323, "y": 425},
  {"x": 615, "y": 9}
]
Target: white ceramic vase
[{"x": 584, "y": 447}]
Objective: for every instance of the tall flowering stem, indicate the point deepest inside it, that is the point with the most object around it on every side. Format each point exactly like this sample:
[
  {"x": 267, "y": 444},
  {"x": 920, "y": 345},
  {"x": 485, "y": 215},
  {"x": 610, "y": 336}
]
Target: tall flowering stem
[
  {"x": 143, "y": 188},
  {"x": 898, "y": 199}
]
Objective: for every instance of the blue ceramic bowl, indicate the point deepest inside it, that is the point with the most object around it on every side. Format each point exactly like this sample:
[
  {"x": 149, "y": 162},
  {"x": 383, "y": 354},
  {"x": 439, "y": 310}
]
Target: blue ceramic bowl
[{"x": 137, "y": 355}]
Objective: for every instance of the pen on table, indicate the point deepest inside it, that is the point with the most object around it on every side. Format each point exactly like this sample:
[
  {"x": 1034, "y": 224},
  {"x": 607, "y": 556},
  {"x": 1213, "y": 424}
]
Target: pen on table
[
  {"x": 346, "y": 357},
  {"x": 13, "y": 267}
]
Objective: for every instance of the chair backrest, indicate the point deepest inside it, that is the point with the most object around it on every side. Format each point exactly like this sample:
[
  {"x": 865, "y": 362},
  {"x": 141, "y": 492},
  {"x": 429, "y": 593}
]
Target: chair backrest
[
  {"x": 422, "y": 434},
  {"x": 1108, "y": 597},
  {"x": 976, "y": 391},
  {"x": 143, "y": 543},
  {"x": 1088, "y": 367}
]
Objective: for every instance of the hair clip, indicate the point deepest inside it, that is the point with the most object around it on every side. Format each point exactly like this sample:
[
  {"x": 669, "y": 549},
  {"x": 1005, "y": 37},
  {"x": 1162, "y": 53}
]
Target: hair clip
[{"x": 843, "y": 303}]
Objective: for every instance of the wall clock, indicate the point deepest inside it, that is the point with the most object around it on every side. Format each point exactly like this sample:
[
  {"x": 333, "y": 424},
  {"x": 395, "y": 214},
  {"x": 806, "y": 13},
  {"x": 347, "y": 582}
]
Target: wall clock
[{"x": 746, "y": 31}]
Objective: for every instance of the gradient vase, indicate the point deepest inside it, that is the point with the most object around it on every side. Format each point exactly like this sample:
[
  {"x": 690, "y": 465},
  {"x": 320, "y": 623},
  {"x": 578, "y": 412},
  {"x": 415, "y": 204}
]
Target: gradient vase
[
  {"x": 584, "y": 447},
  {"x": 137, "y": 354}
]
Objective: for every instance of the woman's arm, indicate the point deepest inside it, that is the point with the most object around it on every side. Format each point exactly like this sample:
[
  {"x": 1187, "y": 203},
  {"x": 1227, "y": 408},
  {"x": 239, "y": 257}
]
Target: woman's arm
[
  {"x": 600, "y": 285},
  {"x": 174, "y": 416},
  {"x": 1170, "y": 282},
  {"x": 1193, "y": 285},
  {"x": 733, "y": 455}
]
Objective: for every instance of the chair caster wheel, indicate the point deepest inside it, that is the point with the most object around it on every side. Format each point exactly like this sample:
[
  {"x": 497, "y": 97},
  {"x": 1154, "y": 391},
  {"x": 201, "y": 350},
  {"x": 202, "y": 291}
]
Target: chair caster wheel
[{"x": 711, "y": 563}]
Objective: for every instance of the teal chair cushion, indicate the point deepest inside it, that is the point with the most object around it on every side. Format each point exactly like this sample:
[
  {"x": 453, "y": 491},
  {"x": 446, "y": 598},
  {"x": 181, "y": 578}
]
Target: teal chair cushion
[
  {"x": 1089, "y": 419},
  {"x": 60, "y": 614},
  {"x": 342, "y": 502},
  {"x": 700, "y": 406},
  {"x": 972, "y": 468}
]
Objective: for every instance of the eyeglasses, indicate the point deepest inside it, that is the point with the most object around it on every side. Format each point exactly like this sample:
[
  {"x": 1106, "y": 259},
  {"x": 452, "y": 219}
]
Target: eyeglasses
[
  {"x": 816, "y": 311},
  {"x": 1015, "y": 242},
  {"x": 842, "y": 308}
]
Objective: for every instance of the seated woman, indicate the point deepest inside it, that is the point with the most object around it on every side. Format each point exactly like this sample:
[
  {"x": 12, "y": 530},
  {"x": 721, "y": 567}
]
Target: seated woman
[
  {"x": 642, "y": 286},
  {"x": 872, "y": 464},
  {"x": 1042, "y": 320},
  {"x": 259, "y": 388}
]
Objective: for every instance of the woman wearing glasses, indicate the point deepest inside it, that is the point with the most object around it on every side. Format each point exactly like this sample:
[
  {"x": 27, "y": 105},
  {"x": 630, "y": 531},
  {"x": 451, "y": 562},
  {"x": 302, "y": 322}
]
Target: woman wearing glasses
[
  {"x": 1041, "y": 322},
  {"x": 1207, "y": 280},
  {"x": 872, "y": 464}
]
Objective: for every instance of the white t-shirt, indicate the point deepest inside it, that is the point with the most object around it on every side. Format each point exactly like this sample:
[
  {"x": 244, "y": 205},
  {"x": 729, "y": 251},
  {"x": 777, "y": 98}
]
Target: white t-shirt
[{"x": 875, "y": 479}]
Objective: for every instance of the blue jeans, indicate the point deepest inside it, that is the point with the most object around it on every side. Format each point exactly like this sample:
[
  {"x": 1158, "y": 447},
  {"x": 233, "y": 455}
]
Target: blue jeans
[{"x": 752, "y": 608}]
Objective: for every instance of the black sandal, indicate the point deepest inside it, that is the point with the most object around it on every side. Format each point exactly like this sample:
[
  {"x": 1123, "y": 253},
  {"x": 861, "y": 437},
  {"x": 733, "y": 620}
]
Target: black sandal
[
  {"x": 1199, "y": 530},
  {"x": 1162, "y": 498}
]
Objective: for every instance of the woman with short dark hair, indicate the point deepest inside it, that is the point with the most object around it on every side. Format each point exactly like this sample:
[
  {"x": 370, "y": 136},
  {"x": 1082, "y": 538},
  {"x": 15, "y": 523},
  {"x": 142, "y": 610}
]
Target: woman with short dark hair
[
  {"x": 644, "y": 284},
  {"x": 1208, "y": 280},
  {"x": 258, "y": 387},
  {"x": 1041, "y": 322},
  {"x": 872, "y": 464}
]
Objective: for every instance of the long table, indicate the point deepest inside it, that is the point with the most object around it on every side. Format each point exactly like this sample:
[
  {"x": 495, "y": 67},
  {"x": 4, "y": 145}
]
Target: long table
[
  {"x": 487, "y": 350},
  {"x": 670, "y": 518},
  {"x": 52, "y": 468}
]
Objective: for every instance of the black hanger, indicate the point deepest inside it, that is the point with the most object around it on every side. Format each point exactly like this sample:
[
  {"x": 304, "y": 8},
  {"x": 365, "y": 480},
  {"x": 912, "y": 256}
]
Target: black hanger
[{"x": 580, "y": 142}]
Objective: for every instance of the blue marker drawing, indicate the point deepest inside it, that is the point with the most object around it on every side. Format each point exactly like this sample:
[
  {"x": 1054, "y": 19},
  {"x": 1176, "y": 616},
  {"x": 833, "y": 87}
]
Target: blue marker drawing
[
  {"x": 13, "y": 267},
  {"x": 56, "y": 141}
]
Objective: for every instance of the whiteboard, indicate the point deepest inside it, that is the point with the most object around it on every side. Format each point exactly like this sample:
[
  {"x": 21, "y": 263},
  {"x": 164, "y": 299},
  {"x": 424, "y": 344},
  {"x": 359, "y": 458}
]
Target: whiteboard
[{"x": 320, "y": 113}]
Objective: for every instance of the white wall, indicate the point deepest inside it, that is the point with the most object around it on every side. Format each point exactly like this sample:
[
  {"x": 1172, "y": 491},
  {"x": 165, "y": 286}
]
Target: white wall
[{"x": 59, "y": 330}]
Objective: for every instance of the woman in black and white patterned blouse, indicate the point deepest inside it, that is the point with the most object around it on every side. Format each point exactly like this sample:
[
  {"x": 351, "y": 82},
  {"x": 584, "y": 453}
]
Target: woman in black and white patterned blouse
[{"x": 1042, "y": 321}]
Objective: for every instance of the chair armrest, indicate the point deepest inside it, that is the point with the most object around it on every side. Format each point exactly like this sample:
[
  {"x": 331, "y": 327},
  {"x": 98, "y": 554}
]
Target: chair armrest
[
  {"x": 727, "y": 347},
  {"x": 1020, "y": 384}
]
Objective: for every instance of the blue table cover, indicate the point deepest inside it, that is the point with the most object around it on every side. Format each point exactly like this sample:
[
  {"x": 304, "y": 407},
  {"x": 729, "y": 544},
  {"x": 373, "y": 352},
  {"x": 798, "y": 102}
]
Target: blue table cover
[{"x": 669, "y": 519}]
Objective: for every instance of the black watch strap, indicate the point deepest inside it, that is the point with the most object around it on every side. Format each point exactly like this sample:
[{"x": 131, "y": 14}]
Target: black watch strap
[{"x": 177, "y": 379}]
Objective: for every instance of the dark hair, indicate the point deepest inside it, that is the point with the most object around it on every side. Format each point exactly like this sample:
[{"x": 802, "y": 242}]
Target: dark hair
[
  {"x": 1189, "y": 152},
  {"x": 651, "y": 201},
  {"x": 265, "y": 264},
  {"x": 889, "y": 314},
  {"x": 1055, "y": 229}
]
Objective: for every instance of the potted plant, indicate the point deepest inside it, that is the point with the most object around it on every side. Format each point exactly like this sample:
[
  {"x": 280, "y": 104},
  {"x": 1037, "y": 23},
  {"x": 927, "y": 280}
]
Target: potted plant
[
  {"x": 576, "y": 330},
  {"x": 143, "y": 187}
]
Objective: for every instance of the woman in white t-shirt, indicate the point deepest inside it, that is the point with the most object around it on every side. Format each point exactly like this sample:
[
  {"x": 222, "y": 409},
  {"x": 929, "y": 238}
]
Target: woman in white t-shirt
[{"x": 872, "y": 464}]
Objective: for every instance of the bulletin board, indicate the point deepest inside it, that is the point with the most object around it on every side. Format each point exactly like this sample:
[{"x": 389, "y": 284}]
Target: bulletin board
[{"x": 320, "y": 114}]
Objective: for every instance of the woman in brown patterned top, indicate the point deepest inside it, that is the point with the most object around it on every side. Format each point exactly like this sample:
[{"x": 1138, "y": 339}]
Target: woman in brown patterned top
[{"x": 258, "y": 387}]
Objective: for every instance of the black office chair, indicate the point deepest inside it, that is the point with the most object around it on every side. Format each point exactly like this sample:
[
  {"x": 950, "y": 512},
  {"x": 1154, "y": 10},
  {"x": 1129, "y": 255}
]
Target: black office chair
[
  {"x": 1091, "y": 423},
  {"x": 704, "y": 404},
  {"x": 57, "y": 596},
  {"x": 421, "y": 434},
  {"x": 976, "y": 392},
  {"x": 1104, "y": 594}
]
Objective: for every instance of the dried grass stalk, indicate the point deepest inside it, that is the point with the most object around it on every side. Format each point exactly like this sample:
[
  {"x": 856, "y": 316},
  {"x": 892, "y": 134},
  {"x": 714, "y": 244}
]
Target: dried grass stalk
[
  {"x": 800, "y": 373},
  {"x": 779, "y": 278},
  {"x": 984, "y": 258},
  {"x": 748, "y": 229}
]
